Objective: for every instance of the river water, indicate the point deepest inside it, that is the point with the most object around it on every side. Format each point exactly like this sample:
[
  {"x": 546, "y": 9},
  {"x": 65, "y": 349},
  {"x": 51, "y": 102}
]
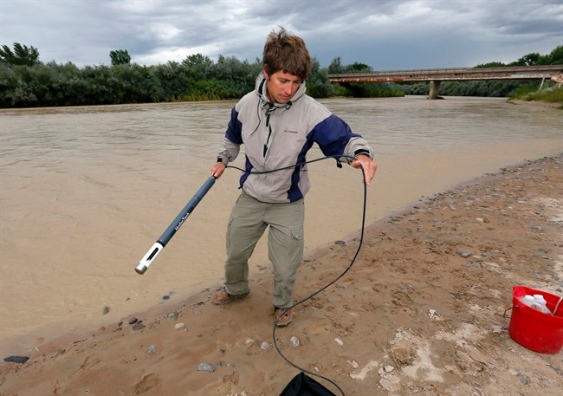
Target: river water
[{"x": 85, "y": 192}]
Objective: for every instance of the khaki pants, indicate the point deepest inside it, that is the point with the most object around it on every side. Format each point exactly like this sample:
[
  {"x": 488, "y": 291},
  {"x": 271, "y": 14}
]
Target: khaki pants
[{"x": 249, "y": 219}]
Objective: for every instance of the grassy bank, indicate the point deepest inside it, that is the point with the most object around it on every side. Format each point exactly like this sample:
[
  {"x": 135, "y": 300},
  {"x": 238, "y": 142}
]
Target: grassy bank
[{"x": 549, "y": 95}]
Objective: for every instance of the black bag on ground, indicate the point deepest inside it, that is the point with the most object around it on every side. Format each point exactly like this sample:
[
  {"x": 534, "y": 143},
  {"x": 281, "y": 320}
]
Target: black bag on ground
[{"x": 301, "y": 385}]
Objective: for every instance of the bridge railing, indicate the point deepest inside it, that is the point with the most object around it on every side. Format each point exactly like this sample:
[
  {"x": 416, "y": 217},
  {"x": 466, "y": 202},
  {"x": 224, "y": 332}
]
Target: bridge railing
[{"x": 555, "y": 69}]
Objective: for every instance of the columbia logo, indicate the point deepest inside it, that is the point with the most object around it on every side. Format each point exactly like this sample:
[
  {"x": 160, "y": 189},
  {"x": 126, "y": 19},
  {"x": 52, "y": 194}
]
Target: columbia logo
[{"x": 289, "y": 131}]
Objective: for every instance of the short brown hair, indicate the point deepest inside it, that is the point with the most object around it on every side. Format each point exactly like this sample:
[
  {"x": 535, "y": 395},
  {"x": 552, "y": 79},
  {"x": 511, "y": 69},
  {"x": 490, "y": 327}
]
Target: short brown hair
[{"x": 286, "y": 52}]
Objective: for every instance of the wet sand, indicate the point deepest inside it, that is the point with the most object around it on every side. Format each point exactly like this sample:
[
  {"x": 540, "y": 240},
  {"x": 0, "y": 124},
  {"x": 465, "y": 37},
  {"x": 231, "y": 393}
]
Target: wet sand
[{"x": 422, "y": 310}]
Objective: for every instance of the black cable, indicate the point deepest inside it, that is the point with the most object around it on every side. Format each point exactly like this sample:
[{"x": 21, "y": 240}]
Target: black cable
[{"x": 337, "y": 157}]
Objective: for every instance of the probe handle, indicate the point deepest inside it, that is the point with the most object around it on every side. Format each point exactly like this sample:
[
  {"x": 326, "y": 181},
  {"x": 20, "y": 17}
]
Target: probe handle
[{"x": 167, "y": 235}]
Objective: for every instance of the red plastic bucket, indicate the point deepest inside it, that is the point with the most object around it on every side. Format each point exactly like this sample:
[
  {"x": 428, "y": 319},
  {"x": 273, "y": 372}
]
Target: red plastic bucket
[{"x": 533, "y": 329}]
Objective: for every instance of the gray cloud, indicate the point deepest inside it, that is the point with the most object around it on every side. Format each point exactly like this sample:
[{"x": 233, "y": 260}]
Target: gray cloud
[{"x": 392, "y": 34}]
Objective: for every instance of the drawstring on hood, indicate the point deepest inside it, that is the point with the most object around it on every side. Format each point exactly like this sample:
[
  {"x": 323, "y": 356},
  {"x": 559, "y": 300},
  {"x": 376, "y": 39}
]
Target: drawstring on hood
[{"x": 270, "y": 107}]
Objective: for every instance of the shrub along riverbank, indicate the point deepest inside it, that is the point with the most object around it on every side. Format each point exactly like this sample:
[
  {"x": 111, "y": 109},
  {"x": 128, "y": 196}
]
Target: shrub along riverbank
[
  {"x": 196, "y": 78},
  {"x": 36, "y": 84}
]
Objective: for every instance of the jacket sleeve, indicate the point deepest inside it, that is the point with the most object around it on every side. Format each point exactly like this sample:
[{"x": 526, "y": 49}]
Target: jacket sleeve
[
  {"x": 233, "y": 139},
  {"x": 335, "y": 137}
]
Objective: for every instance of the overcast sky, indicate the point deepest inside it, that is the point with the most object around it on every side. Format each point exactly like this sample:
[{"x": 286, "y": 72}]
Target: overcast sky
[{"x": 384, "y": 34}]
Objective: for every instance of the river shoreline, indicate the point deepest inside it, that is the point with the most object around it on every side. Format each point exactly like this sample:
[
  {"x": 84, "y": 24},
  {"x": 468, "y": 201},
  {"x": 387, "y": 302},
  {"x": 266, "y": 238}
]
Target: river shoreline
[{"x": 535, "y": 103}]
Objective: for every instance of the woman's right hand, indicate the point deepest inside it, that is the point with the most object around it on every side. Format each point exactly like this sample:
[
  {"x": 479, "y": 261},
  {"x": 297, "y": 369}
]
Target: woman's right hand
[{"x": 218, "y": 169}]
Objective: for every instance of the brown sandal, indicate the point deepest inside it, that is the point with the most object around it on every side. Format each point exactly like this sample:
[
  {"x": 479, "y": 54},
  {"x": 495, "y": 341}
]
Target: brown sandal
[
  {"x": 221, "y": 297},
  {"x": 283, "y": 316}
]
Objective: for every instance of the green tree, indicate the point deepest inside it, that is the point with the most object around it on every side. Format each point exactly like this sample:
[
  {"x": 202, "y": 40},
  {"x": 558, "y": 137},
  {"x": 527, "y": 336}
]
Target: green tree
[
  {"x": 336, "y": 67},
  {"x": 103, "y": 85},
  {"x": 318, "y": 84},
  {"x": 359, "y": 67},
  {"x": 22, "y": 55},
  {"x": 237, "y": 77},
  {"x": 532, "y": 59},
  {"x": 556, "y": 56},
  {"x": 490, "y": 64},
  {"x": 13, "y": 91},
  {"x": 119, "y": 57},
  {"x": 173, "y": 80},
  {"x": 199, "y": 67}
]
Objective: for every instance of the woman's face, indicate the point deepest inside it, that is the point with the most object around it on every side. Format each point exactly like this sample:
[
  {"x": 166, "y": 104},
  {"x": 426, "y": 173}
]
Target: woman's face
[{"x": 282, "y": 86}]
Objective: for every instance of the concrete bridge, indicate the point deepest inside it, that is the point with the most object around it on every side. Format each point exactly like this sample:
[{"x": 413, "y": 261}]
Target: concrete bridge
[{"x": 436, "y": 76}]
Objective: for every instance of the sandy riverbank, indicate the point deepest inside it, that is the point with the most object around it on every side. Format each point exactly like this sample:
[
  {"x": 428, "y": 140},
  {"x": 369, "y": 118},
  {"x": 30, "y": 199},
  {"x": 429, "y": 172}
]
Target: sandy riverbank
[{"x": 412, "y": 315}]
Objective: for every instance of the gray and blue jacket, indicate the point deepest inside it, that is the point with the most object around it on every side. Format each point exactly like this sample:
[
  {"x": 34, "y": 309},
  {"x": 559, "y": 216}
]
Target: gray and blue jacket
[{"x": 279, "y": 136}]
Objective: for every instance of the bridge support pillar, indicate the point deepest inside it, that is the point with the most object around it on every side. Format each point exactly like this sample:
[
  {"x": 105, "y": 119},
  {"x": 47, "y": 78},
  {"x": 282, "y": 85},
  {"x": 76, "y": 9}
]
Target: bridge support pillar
[
  {"x": 434, "y": 86},
  {"x": 541, "y": 85}
]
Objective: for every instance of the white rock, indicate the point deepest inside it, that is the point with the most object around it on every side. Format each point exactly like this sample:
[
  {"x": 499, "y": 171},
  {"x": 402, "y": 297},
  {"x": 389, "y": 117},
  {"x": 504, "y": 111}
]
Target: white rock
[
  {"x": 353, "y": 363},
  {"x": 294, "y": 341}
]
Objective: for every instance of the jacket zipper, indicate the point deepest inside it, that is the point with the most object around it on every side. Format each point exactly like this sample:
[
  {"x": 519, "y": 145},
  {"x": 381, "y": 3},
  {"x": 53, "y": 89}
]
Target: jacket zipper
[{"x": 269, "y": 132}]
